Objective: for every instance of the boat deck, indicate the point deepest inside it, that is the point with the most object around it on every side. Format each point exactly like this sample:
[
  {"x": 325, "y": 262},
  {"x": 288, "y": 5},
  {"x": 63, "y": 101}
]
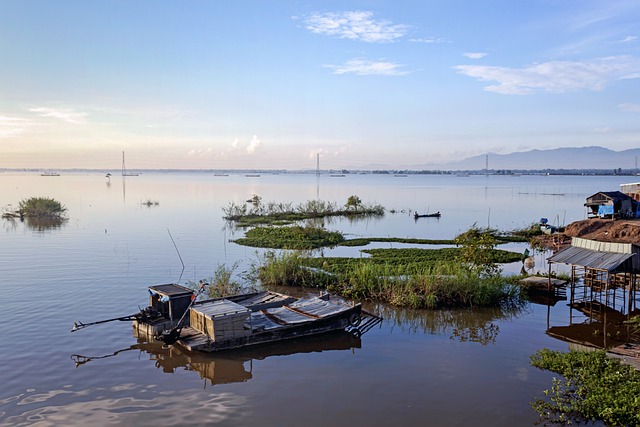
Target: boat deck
[{"x": 302, "y": 317}]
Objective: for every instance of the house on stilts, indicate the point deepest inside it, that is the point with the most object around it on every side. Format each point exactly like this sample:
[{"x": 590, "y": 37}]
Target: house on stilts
[
  {"x": 603, "y": 296},
  {"x": 605, "y": 273}
]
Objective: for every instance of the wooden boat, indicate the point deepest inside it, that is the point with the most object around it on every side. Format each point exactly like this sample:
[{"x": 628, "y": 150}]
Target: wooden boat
[
  {"x": 241, "y": 320},
  {"x": 429, "y": 215}
]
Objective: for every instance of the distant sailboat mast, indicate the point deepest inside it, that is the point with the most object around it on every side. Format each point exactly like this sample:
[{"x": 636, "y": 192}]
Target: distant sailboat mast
[{"x": 124, "y": 168}]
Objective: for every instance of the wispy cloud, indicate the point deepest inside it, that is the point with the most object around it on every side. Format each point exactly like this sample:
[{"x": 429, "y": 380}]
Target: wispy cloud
[
  {"x": 555, "y": 76},
  {"x": 474, "y": 55},
  {"x": 602, "y": 130},
  {"x": 254, "y": 144},
  {"x": 631, "y": 108},
  {"x": 66, "y": 115},
  {"x": 13, "y": 126},
  {"x": 355, "y": 25},
  {"x": 628, "y": 39},
  {"x": 428, "y": 40},
  {"x": 364, "y": 67}
]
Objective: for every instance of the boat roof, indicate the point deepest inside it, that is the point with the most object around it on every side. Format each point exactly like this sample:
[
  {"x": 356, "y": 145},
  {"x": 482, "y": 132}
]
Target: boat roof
[
  {"x": 218, "y": 308},
  {"x": 171, "y": 289}
]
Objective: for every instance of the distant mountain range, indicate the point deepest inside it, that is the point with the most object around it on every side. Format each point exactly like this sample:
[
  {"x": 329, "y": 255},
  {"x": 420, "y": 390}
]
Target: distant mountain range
[{"x": 584, "y": 158}]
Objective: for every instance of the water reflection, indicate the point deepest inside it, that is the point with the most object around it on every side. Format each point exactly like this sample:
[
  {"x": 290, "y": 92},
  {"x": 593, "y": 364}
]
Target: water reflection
[
  {"x": 598, "y": 325},
  {"x": 39, "y": 224},
  {"x": 464, "y": 325},
  {"x": 229, "y": 366}
]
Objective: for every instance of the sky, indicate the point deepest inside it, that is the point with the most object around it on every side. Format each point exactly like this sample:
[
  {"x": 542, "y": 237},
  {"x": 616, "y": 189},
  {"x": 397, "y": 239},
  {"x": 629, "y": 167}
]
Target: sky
[{"x": 258, "y": 84}]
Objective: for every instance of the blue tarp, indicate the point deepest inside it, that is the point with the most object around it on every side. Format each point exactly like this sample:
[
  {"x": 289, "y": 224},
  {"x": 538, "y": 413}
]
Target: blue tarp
[{"x": 605, "y": 210}]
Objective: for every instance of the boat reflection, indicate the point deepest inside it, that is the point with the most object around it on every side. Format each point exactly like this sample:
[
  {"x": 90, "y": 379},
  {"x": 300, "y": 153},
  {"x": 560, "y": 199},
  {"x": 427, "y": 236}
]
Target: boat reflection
[{"x": 233, "y": 365}]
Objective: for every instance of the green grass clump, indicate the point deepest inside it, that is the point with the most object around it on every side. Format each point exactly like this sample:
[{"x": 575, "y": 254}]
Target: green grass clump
[
  {"x": 594, "y": 387},
  {"x": 292, "y": 237},
  {"x": 416, "y": 285},
  {"x": 367, "y": 240},
  {"x": 41, "y": 207},
  {"x": 271, "y": 213}
]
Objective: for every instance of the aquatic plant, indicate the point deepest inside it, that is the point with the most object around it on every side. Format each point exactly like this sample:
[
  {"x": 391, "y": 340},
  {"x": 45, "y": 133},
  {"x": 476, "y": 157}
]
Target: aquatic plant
[
  {"x": 41, "y": 207},
  {"x": 221, "y": 284},
  {"x": 271, "y": 212},
  {"x": 293, "y": 237},
  {"x": 416, "y": 285},
  {"x": 287, "y": 269},
  {"x": 594, "y": 387}
]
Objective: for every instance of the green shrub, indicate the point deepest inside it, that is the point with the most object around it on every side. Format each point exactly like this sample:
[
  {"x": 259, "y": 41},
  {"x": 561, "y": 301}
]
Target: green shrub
[
  {"x": 594, "y": 387},
  {"x": 41, "y": 207}
]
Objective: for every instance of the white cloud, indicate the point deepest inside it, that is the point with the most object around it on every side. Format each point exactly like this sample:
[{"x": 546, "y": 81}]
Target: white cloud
[
  {"x": 428, "y": 40},
  {"x": 66, "y": 115},
  {"x": 555, "y": 76},
  {"x": 199, "y": 153},
  {"x": 254, "y": 144},
  {"x": 321, "y": 151},
  {"x": 355, "y": 25},
  {"x": 13, "y": 126},
  {"x": 235, "y": 143},
  {"x": 364, "y": 67},
  {"x": 475, "y": 55},
  {"x": 631, "y": 108},
  {"x": 628, "y": 39}
]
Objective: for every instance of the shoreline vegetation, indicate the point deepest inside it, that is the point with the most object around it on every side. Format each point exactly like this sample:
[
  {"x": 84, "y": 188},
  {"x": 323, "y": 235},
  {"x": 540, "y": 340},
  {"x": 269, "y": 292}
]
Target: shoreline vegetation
[
  {"x": 467, "y": 274},
  {"x": 39, "y": 208},
  {"x": 593, "y": 387},
  {"x": 254, "y": 212}
]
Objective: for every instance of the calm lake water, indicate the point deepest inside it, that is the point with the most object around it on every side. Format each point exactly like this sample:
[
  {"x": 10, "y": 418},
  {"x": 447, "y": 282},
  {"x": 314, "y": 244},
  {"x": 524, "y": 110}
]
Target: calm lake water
[{"x": 444, "y": 368}]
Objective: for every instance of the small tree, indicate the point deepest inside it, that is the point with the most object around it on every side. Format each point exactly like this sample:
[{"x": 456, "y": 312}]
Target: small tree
[
  {"x": 476, "y": 245},
  {"x": 353, "y": 202}
]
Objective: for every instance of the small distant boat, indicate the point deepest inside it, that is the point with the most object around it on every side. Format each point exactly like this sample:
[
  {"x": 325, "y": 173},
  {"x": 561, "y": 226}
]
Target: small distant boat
[
  {"x": 547, "y": 228},
  {"x": 400, "y": 175},
  {"x": 252, "y": 175},
  {"x": 429, "y": 215},
  {"x": 50, "y": 174},
  {"x": 337, "y": 175}
]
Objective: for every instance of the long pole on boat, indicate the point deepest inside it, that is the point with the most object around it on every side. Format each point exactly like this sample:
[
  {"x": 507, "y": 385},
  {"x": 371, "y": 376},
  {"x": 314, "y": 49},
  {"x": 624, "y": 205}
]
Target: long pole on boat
[{"x": 77, "y": 325}]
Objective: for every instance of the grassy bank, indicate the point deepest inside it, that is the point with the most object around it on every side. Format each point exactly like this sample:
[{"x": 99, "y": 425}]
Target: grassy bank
[{"x": 414, "y": 284}]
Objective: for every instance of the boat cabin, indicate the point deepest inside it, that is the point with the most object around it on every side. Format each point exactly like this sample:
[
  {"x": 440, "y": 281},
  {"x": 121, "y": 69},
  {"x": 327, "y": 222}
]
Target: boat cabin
[
  {"x": 611, "y": 204},
  {"x": 170, "y": 300}
]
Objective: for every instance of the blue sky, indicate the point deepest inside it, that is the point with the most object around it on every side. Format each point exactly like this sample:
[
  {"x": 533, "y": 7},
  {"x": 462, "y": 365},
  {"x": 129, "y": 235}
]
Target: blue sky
[{"x": 270, "y": 84}]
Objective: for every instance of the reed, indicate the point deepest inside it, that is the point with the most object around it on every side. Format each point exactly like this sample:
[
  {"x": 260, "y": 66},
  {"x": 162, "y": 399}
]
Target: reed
[
  {"x": 444, "y": 284},
  {"x": 272, "y": 212}
]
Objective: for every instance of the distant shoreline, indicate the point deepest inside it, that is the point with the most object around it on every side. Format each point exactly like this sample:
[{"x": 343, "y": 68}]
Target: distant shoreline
[{"x": 329, "y": 172}]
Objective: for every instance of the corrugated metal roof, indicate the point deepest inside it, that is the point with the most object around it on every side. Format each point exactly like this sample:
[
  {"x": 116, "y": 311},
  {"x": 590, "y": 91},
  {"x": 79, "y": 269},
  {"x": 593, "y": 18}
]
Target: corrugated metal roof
[{"x": 587, "y": 258}]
